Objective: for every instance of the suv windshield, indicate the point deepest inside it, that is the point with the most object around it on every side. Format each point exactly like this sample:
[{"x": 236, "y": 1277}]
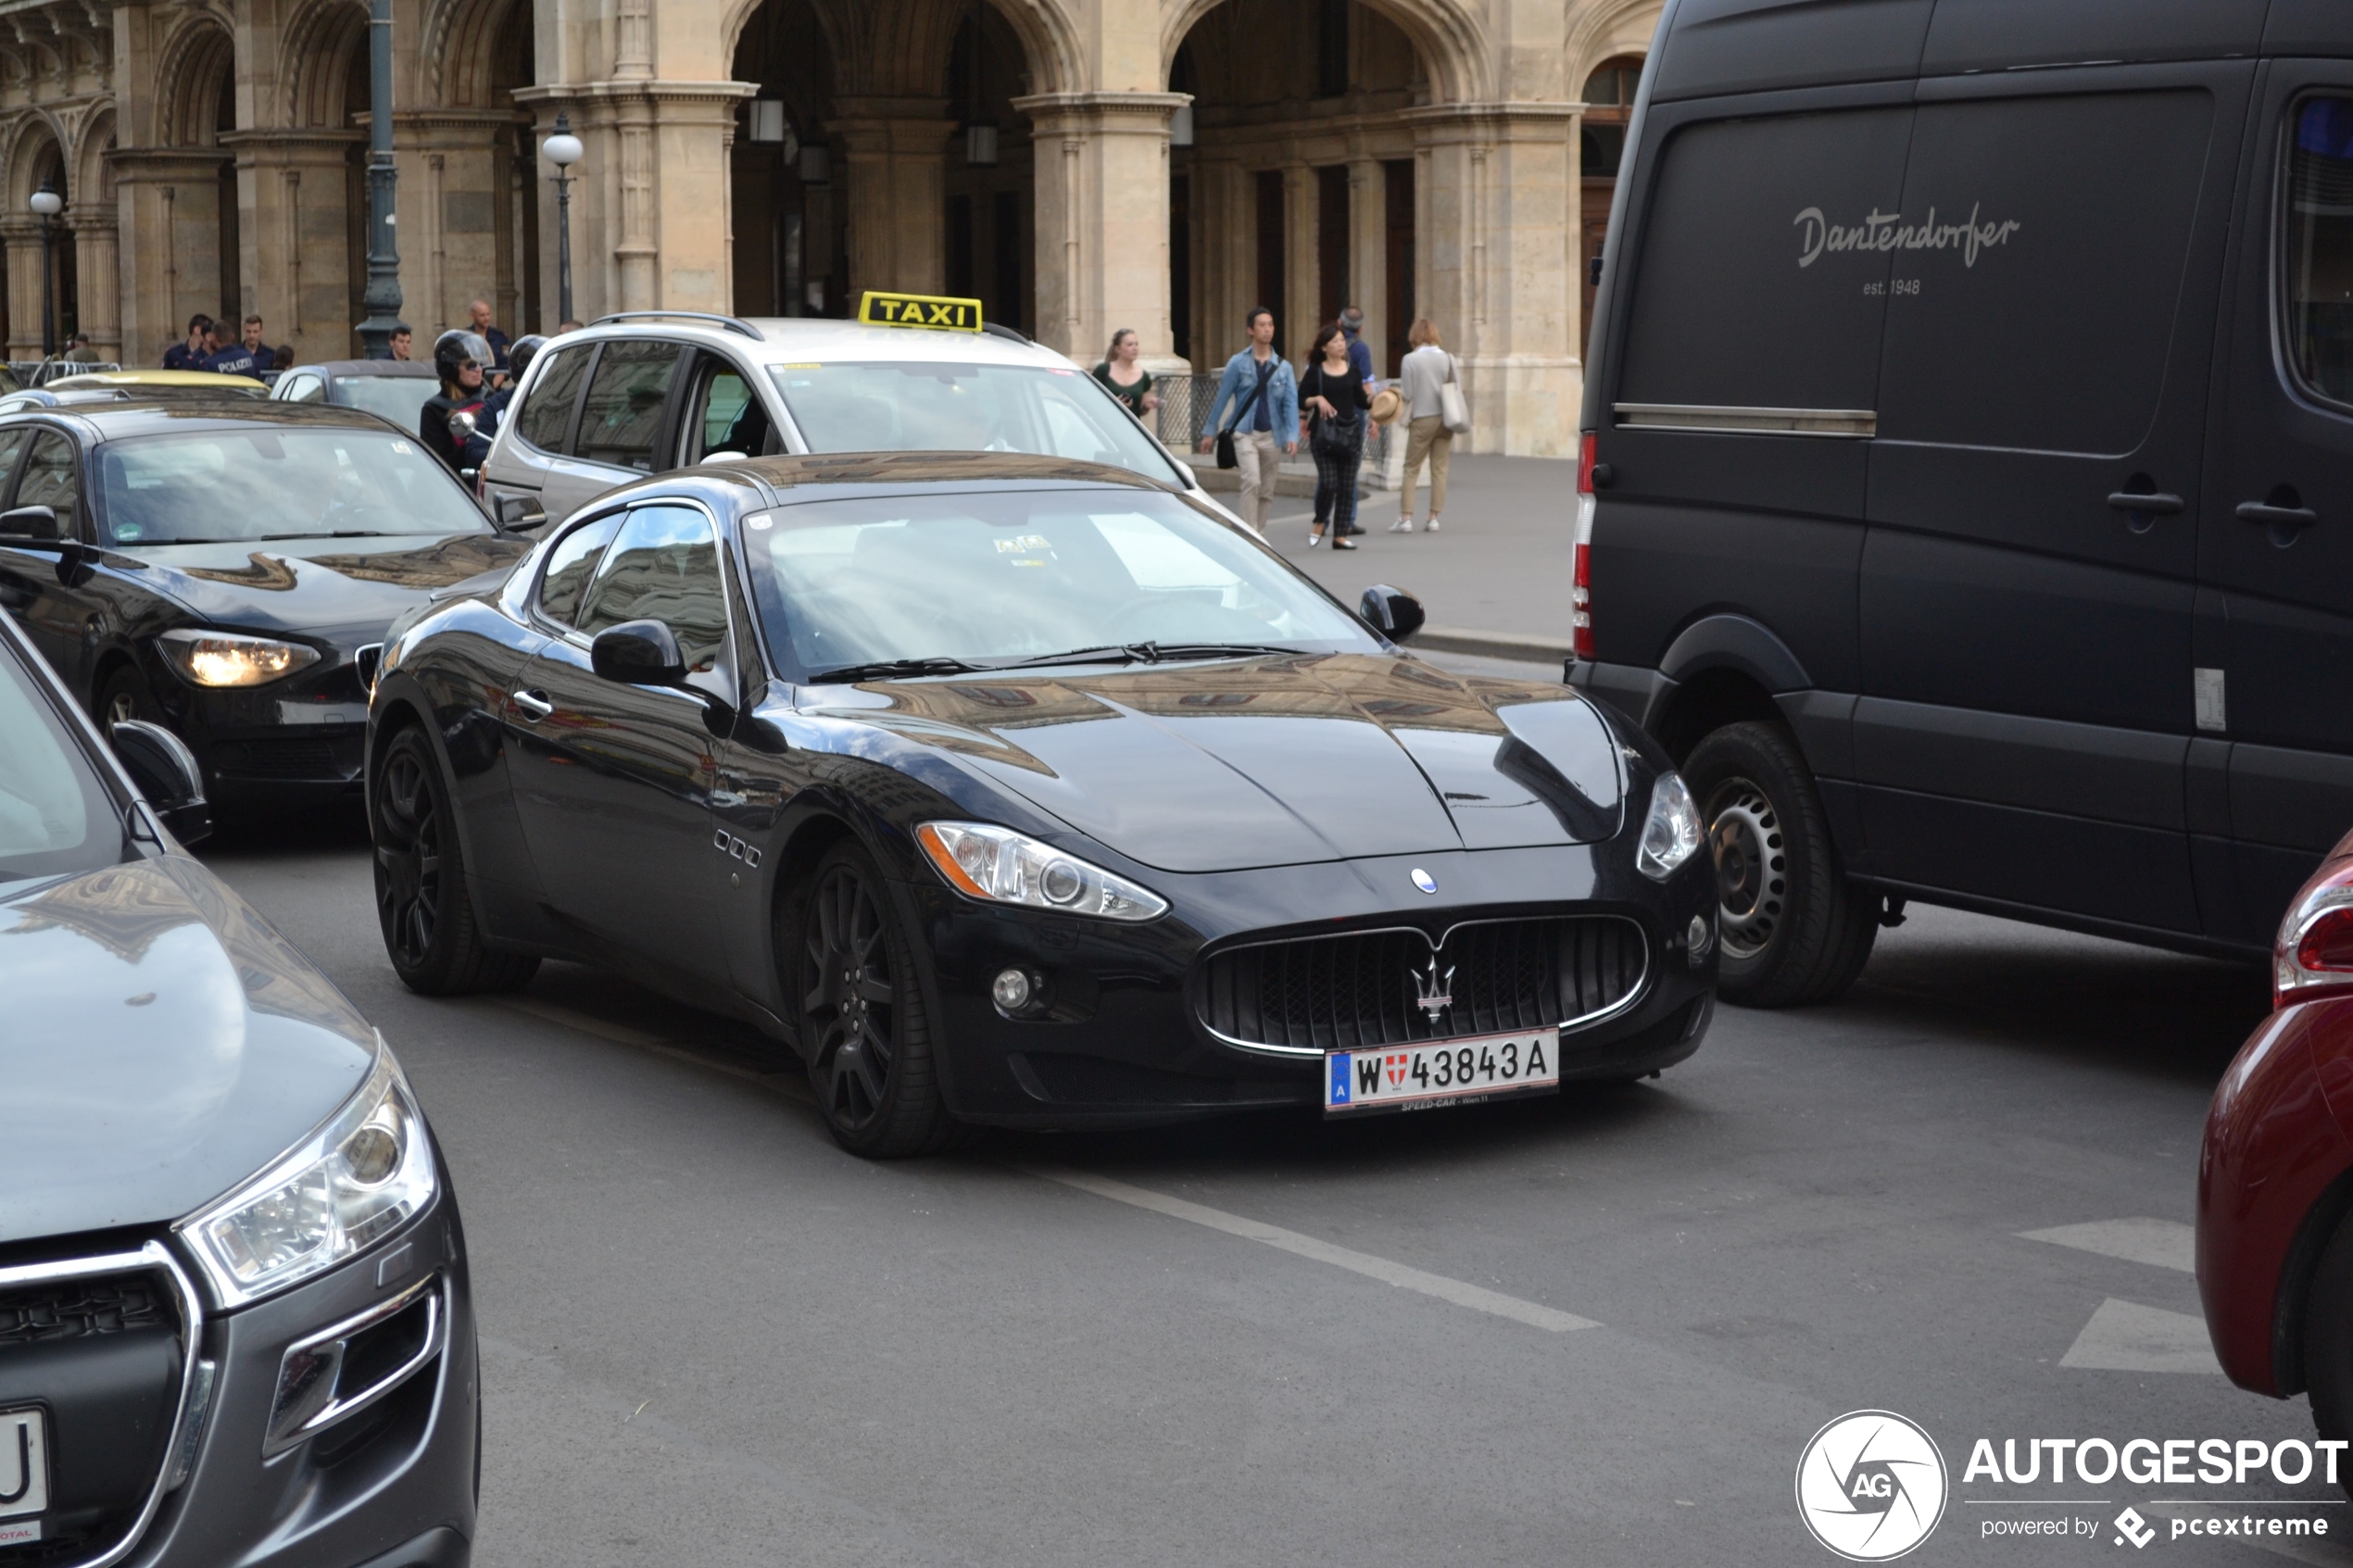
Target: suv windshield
[
  {"x": 55, "y": 815},
  {"x": 989, "y": 579},
  {"x": 263, "y": 481},
  {"x": 951, "y": 408},
  {"x": 400, "y": 399}
]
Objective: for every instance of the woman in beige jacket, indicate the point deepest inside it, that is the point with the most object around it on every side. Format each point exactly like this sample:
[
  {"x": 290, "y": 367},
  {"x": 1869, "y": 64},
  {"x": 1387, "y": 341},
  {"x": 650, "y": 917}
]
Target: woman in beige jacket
[{"x": 1423, "y": 372}]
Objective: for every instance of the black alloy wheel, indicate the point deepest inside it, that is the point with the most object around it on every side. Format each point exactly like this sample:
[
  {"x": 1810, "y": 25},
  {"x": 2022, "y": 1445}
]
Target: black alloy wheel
[
  {"x": 125, "y": 695},
  {"x": 862, "y": 1022},
  {"x": 428, "y": 920},
  {"x": 1794, "y": 929}
]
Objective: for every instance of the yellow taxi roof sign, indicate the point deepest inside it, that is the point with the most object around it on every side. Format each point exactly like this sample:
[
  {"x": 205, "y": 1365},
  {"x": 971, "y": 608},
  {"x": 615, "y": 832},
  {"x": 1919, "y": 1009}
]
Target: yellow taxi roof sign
[{"x": 876, "y": 309}]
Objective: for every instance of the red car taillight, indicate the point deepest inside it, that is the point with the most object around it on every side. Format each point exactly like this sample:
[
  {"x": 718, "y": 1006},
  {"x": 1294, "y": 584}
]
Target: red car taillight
[
  {"x": 2314, "y": 954},
  {"x": 1581, "y": 592}
]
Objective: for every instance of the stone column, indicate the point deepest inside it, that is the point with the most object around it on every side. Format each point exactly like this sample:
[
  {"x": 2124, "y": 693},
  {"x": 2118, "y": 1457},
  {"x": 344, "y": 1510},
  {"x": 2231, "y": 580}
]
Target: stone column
[
  {"x": 21, "y": 235},
  {"x": 295, "y": 237},
  {"x": 1101, "y": 178},
  {"x": 95, "y": 269},
  {"x": 1368, "y": 254},
  {"x": 896, "y": 174},
  {"x": 168, "y": 233},
  {"x": 1302, "y": 307}
]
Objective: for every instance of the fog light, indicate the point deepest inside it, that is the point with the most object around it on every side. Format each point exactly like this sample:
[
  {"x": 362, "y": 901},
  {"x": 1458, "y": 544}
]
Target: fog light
[
  {"x": 1697, "y": 939},
  {"x": 1012, "y": 990}
]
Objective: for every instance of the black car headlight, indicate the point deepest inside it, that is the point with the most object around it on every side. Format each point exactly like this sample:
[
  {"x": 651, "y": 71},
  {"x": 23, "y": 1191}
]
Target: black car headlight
[
  {"x": 355, "y": 1179},
  {"x": 1672, "y": 833},
  {"x": 233, "y": 659},
  {"x": 1003, "y": 867}
]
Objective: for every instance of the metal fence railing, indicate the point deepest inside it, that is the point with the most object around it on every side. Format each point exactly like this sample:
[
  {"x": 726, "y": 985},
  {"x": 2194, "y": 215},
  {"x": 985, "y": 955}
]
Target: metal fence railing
[{"x": 36, "y": 373}]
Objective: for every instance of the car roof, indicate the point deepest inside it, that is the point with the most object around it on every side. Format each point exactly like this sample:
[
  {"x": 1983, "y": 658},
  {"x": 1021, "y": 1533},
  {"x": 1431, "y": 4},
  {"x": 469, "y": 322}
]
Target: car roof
[
  {"x": 370, "y": 368},
  {"x": 147, "y": 378},
  {"x": 899, "y": 468},
  {"x": 114, "y": 421},
  {"x": 780, "y": 340}
]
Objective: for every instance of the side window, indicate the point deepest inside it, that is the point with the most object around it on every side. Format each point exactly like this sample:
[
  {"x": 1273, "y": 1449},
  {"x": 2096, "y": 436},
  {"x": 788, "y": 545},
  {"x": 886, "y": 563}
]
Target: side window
[
  {"x": 545, "y": 417},
  {"x": 569, "y": 565},
  {"x": 664, "y": 567},
  {"x": 2038, "y": 268},
  {"x": 12, "y": 444},
  {"x": 53, "y": 479},
  {"x": 1760, "y": 282},
  {"x": 2318, "y": 249},
  {"x": 727, "y": 415},
  {"x": 625, "y": 399},
  {"x": 303, "y": 389}
]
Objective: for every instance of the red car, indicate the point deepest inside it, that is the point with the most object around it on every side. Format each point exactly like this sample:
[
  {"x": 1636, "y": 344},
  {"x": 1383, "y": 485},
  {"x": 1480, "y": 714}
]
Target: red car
[{"x": 2275, "y": 1178}]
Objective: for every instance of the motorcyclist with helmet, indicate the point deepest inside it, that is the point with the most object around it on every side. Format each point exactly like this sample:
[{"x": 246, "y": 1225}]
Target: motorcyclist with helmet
[
  {"x": 461, "y": 359},
  {"x": 519, "y": 357}
]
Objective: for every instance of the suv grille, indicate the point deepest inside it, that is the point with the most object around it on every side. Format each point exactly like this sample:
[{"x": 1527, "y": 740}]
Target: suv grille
[
  {"x": 1316, "y": 994},
  {"x": 78, "y": 1309}
]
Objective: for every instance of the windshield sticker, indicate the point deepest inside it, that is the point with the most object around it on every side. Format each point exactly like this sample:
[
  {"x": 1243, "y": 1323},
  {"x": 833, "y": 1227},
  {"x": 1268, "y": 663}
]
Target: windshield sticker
[
  {"x": 401, "y": 447},
  {"x": 1023, "y": 541},
  {"x": 1887, "y": 230}
]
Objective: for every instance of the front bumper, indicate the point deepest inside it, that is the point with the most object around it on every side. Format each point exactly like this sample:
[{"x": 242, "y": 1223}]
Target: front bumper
[
  {"x": 1123, "y": 1042},
  {"x": 298, "y": 741}
]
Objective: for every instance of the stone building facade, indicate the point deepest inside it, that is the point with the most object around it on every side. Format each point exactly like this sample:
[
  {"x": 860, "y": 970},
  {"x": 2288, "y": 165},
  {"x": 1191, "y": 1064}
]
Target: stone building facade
[{"x": 1079, "y": 164}]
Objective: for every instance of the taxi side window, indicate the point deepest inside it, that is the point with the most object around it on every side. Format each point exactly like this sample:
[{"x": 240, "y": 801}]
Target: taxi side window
[
  {"x": 53, "y": 479},
  {"x": 664, "y": 567},
  {"x": 569, "y": 565},
  {"x": 623, "y": 410},
  {"x": 545, "y": 420},
  {"x": 726, "y": 416}
]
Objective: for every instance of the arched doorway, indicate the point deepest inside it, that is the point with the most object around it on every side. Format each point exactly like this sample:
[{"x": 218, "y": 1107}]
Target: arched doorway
[
  {"x": 791, "y": 239},
  {"x": 1609, "y": 104},
  {"x": 39, "y": 163},
  {"x": 991, "y": 219}
]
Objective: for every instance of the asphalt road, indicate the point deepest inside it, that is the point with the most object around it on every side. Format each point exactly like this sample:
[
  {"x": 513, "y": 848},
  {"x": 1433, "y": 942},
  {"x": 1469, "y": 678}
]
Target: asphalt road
[{"x": 710, "y": 1338}]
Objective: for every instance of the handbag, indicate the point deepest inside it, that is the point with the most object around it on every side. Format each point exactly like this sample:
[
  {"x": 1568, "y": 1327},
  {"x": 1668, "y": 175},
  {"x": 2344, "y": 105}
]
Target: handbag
[
  {"x": 1226, "y": 457},
  {"x": 1452, "y": 411}
]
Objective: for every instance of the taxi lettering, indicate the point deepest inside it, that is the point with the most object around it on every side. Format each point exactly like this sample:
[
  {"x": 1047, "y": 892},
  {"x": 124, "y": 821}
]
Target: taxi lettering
[{"x": 880, "y": 309}]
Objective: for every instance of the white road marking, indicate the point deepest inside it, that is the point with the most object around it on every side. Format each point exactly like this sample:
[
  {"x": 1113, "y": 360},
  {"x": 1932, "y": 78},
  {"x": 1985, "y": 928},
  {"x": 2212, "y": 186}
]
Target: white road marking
[
  {"x": 2164, "y": 1244},
  {"x": 1399, "y": 1274},
  {"x": 2127, "y": 1336}
]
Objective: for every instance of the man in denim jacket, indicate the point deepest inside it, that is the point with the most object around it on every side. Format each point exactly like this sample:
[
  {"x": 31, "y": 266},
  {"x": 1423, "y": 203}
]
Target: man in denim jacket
[{"x": 1258, "y": 377}]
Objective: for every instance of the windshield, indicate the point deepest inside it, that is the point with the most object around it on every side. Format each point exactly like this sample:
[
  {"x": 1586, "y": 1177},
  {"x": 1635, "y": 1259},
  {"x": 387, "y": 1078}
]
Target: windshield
[
  {"x": 400, "y": 399},
  {"x": 950, "y": 407},
  {"x": 236, "y": 486},
  {"x": 993, "y": 578},
  {"x": 55, "y": 816}
]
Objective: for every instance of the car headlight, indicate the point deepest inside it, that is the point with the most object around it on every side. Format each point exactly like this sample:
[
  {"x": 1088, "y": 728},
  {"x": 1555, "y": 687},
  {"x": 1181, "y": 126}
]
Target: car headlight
[
  {"x": 1671, "y": 834},
  {"x": 354, "y": 1180},
  {"x": 1004, "y": 867},
  {"x": 233, "y": 659}
]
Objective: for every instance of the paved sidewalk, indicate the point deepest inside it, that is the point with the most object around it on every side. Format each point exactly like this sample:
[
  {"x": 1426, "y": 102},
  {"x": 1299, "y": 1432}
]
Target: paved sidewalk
[{"x": 1494, "y": 580}]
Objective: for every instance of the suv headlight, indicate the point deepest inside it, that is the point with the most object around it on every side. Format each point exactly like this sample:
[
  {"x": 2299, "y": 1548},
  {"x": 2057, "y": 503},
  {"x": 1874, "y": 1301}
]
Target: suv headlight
[
  {"x": 354, "y": 1180},
  {"x": 233, "y": 659},
  {"x": 1005, "y": 867},
  {"x": 1671, "y": 834}
]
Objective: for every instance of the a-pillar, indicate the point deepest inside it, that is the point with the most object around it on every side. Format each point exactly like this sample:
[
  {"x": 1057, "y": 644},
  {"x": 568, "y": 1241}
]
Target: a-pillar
[
  {"x": 1497, "y": 270},
  {"x": 1368, "y": 254},
  {"x": 897, "y": 177},
  {"x": 296, "y": 236},
  {"x": 1101, "y": 173},
  {"x": 168, "y": 202},
  {"x": 22, "y": 238},
  {"x": 96, "y": 288}
]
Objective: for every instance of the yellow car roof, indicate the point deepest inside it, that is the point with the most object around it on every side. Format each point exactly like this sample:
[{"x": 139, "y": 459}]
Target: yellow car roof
[{"x": 150, "y": 378}]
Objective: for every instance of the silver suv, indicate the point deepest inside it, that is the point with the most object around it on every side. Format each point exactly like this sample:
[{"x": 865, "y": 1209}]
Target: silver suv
[{"x": 645, "y": 391}]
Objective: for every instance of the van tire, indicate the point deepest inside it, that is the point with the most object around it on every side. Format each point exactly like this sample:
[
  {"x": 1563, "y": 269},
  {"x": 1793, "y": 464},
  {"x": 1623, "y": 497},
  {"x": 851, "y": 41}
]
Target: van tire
[{"x": 1793, "y": 929}]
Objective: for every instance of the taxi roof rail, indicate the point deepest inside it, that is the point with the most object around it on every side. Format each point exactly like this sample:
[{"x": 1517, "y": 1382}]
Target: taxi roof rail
[
  {"x": 732, "y": 324},
  {"x": 998, "y": 328}
]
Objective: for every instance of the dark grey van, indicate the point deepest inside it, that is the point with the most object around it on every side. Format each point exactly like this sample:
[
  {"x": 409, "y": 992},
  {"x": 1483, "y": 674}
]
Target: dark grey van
[{"x": 1969, "y": 432}]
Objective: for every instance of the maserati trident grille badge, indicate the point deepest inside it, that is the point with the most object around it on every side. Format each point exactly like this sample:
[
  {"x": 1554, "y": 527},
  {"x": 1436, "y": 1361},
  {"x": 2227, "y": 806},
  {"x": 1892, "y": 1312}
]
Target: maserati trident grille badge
[
  {"x": 1433, "y": 992},
  {"x": 1423, "y": 881}
]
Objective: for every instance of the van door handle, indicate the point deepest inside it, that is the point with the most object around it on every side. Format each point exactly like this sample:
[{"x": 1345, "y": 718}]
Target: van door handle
[
  {"x": 2155, "y": 505},
  {"x": 535, "y": 705},
  {"x": 2277, "y": 516}
]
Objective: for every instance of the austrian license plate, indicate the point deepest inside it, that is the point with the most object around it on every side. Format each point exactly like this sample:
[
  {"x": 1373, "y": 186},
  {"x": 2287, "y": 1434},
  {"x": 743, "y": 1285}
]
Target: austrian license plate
[
  {"x": 24, "y": 1474},
  {"x": 1441, "y": 1073}
]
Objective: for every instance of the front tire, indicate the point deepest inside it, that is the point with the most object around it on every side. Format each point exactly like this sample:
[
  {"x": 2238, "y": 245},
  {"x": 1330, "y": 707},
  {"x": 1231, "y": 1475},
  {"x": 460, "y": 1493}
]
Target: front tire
[
  {"x": 2328, "y": 1340},
  {"x": 1791, "y": 928},
  {"x": 864, "y": 1025},
  {"x": 428, "y": 920},
  {"x": 124, "y": 696}
]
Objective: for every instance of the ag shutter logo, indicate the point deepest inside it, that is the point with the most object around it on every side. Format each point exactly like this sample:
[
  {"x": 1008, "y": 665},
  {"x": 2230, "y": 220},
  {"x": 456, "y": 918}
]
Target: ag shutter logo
[{"x": 1872, "y": 1486}]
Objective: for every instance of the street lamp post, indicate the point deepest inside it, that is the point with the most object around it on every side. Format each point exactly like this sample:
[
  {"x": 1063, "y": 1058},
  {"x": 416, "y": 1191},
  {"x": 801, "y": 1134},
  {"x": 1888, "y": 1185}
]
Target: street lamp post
[
  {"x": 48, "y": 203},
  {"x": 564, "y": 150},
  {"x": 382, "y": 298}
]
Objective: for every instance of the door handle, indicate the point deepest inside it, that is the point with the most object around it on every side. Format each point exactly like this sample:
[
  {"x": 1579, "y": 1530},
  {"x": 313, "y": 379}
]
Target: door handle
[
  {"x": 2277, "y": 516},
  {"x": 535, "y": 705},
  {"x": 2155, "y": 505}
]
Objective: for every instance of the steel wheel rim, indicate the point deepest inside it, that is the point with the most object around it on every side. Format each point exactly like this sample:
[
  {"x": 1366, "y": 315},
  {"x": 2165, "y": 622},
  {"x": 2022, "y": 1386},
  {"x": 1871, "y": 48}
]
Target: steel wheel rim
[
  {"x": 121, "y": 708},
  {"x": 1752, "y": 867},
  {"x": 848, "y": 1004},
  {"x": 408, "y": 858}
]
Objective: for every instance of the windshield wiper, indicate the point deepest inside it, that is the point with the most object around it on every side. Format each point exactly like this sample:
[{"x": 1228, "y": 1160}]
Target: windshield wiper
[
  {"x": 1148, "y": 653},
  {"x": 1109, "y": 653},
  {"x": 332, "y": 534},
  {"x": 885, "y": 668}
]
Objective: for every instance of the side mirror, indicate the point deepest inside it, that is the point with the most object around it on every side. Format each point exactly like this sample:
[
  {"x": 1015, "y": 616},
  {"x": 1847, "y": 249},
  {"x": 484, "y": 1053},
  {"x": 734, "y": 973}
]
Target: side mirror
[
  {"x": 638, "y": 653},
  {"x": 1392, "y": 611},
  {"x": 461, "y": 427},
  {"x": 165, "y": 770},
  {"x": 31, "y": 522},
  {"x": 514, "y": 512}
]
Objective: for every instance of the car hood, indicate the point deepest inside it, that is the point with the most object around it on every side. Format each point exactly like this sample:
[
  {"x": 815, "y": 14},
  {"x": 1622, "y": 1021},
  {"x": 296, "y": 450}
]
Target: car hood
[
  {"x": 345, "y": 589},
  {"x": 1277, "y": 760},
  {"x": 162, "y": 1045}
]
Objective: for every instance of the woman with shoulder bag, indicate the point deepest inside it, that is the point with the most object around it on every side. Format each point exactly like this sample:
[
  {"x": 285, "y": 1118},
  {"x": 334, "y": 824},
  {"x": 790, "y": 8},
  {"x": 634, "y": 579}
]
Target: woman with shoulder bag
[
  {"x": 1426, "y": 375},
  {"x": 1334, "y": 401}
]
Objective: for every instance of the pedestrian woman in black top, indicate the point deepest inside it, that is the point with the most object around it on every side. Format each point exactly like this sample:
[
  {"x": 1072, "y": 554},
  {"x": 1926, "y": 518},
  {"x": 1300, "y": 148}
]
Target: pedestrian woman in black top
[
  {"x": 1129, "y": 381},
  {"x": 1333, "y": 403}
]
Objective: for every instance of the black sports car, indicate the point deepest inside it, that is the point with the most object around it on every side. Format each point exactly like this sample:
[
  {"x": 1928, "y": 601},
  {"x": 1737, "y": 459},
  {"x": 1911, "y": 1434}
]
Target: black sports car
[
  {"x": 226, "y": 570},
  {"x": 1017, "y": 790}
]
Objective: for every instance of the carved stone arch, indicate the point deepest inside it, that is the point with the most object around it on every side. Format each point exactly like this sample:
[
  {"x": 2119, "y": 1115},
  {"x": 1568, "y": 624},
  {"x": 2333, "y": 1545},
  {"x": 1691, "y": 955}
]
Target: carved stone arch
[
  {"x": 903, "y": 48},
  {"x": 315, "y": 62},
  {"x": 1450, "y": 38},
  {"x": 461, "y": 53},
  {"x": 1599, "y": 31},
  {"x": 94, "y": 181},
  {"x": 36, "y": 148},
  {"x": 190, "y": 73}
]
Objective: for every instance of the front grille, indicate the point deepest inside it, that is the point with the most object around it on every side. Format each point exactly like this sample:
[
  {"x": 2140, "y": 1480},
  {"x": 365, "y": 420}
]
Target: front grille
[
  {"x": 80, "y": 1309},
  {"x": 1365, "y": 988},
  {"x": 317, "y": 757}
]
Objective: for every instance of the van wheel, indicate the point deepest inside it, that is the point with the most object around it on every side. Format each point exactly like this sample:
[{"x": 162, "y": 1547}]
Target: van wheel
[{"x": 1792, "y": 928}]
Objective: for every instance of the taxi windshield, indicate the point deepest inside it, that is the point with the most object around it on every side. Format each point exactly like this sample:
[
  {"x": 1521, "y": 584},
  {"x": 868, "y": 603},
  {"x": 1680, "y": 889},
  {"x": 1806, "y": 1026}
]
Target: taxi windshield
[
  {"x": 258, "y": 483},
  {"x": 995, "y": 578},
  {"x": 944, "y": 407}
]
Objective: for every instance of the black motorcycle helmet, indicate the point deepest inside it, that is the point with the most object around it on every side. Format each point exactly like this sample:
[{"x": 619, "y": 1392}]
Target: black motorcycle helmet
[
  {"x": 454, "y": 350},
  {"x": 519, "y": 355}
]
